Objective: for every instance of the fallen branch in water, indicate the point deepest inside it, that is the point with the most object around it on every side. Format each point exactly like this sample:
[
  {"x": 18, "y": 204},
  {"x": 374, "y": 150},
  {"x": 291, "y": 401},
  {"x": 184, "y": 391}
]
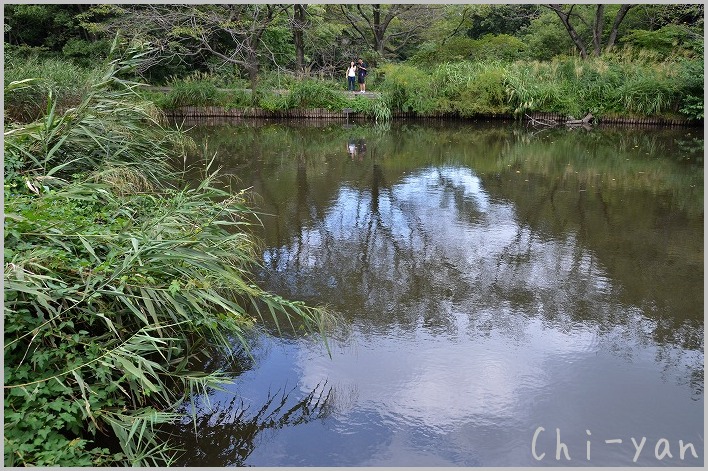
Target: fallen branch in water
[
  {"x": 579, "y": 122},
  {"x": 535, "y": 121}
]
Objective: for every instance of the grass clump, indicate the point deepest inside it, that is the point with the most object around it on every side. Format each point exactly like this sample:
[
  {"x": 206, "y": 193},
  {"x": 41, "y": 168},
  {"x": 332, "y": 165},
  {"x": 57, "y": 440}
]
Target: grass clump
[
  {"x": 65, "y": 79},
  {"x": 314, "y": 94},
  {"x": 193, "y": 91}
]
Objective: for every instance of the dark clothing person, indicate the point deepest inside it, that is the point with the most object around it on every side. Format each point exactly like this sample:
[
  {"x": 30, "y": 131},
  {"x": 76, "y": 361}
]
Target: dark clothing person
[{"x": 361, "y": 69}]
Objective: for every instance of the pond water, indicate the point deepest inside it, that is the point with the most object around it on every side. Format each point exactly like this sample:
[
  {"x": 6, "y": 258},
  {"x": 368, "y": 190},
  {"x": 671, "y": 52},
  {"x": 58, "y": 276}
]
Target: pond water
[{"x": 509, "y": 297}]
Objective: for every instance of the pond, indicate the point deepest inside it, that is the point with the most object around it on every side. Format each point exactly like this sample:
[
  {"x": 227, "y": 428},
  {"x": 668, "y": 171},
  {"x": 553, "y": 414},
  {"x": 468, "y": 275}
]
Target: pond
[{"x": 509, "y": 297}]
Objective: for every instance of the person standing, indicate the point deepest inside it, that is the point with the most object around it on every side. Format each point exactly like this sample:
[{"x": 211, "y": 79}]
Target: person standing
[
  {"x": 351, "y": 76},
  {"x": 362, "y": 71}
]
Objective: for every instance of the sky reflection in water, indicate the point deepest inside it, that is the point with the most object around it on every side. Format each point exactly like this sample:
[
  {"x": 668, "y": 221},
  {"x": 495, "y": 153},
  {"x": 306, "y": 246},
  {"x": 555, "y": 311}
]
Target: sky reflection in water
[{"x": 468, "y": 328}]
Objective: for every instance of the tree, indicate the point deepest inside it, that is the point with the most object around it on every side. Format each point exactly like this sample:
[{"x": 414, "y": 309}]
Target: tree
[
  {"x": 596, "y": 24},
  {"x": 498, "y": 19},
  {"x": 652, "y": 17},
  {"x": 298, "y": 25},
  {"x": 387, "y": 29},
  {"x": 234, "y": 33},
  {"x": 48, "y": 26}
]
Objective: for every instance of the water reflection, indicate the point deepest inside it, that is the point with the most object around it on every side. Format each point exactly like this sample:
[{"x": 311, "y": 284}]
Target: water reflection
[
  {"x": 437, "y": 241},
  {"x": 494, "y": 281},
  {"x": 356, "y": 148},
  {"x": 227, "y": 431}
]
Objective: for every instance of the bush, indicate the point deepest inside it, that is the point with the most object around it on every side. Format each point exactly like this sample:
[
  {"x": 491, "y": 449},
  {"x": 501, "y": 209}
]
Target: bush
[
  {"x": 667, "y": 40},
  {"x": 485, "y": 93},
  {"x": 408, "y": 88},
  {"x": 86, "y": 53},
  {"x": 500, "y": 47},
  {"x": 690, "y": 77},
  {"x": 432, "y": 53}
]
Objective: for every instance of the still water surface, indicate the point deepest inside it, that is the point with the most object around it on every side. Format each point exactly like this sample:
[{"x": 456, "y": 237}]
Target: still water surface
[{"x": 509, "y": 297}]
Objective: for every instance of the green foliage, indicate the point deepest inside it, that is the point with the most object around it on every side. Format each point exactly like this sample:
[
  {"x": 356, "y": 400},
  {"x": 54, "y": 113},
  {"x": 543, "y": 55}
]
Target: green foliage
[
  {"x": 500, "y": 19},
  {"x": 693, "y": 107},
  {"x": 455, "y": 49},
  {"x": 95, "y": 132},
  {"x": 196, "y": 90},
  {"x": 314, "y": 94},
  {"x": 377, "y": 108},
  {"x": 690, "y": 75},
  {"x": 599, "y": 86},
  {"x": 86, "y": 53},
  {"x": 668, "y": 40},
  {"x": 501, "y": 47},
  {"x": 40, "y": 25},
  {"x": 488, "y": 48},
  {"x": 545, "y": 38},
  {"x": 114, "y": 280},
  {"x": 277, "y": 80},
  {"x": 408, "y": 88},
  {"x": 67, "y": 81},
  {"x": 273, "y": 101},
  {"x": 278, "y": 40},
  {"x": 646, "y": 95},
  {"x": 485, "y": 94},
  {"x": 237, "y": 99}
]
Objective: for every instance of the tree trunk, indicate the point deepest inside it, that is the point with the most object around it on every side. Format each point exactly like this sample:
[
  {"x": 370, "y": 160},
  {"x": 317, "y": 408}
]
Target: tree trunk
[
  {"x": 253, "y": 76},
  {"x": 298, "y": 27},
  {"x": 615, "y": 26},
  {"x": 565, "y": 19},
  {"x": 597, "y": 30},
  {"x": 378, "y": 30}
]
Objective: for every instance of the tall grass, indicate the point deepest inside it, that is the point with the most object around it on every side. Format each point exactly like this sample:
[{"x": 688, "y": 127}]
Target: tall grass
[
  {"x": 67, "y": 80},
  {"x": 614, "y": 85},
  {"x": 114, "y": 281},
  {"x": 314, "y": 94},
  {"x": 197, "y": 89}
]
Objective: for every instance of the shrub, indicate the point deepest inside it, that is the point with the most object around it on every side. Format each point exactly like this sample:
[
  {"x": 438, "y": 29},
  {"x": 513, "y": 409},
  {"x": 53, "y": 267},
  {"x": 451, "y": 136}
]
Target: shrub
[
  {"x": 668, "y": 40},
  {"x": 408, "y": 88},
  {"x": 500, "y": 47},
  {"x": 85, "y": 53},
  {"x": 485, "y": 94}
]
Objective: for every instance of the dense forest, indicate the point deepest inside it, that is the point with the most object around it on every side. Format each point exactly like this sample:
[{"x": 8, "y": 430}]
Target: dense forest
[{"x": 119, "y": 277}]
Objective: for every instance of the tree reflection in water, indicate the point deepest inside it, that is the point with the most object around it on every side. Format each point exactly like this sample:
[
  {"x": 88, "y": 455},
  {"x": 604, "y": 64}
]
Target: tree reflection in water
[{"x": 226, "y": 434}]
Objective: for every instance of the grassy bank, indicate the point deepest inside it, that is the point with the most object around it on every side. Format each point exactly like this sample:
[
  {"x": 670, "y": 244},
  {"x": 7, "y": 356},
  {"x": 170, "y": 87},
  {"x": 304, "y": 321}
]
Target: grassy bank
[
  {"x": 609, "y": 87},
  {"x": 603, "y": 87},
  {"x": 620, "y": 85},
  {"x": 117, "y": 276}
]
